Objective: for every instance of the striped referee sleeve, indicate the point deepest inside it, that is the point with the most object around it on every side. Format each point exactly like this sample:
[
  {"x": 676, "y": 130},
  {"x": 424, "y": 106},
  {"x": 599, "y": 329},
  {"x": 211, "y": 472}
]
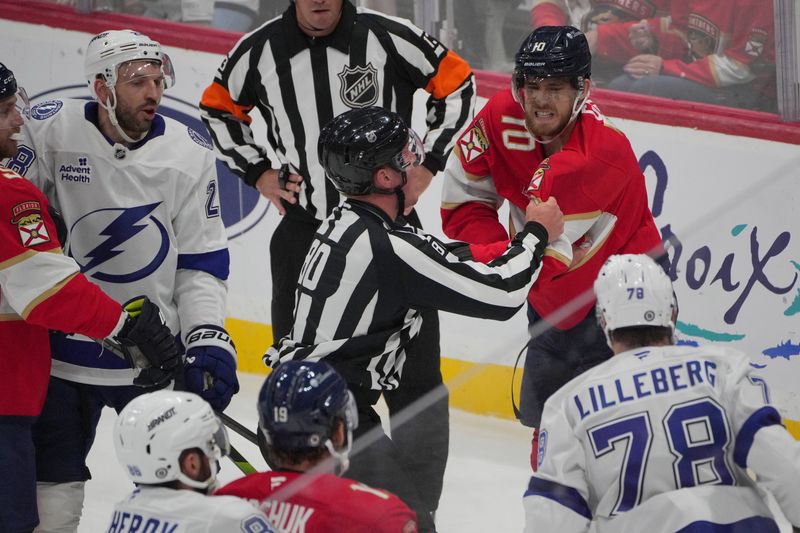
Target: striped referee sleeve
[
  {"x": 225, "y": 107},
  {"x": 439, "y": 71},
  {"x": 435, "y": 278}
]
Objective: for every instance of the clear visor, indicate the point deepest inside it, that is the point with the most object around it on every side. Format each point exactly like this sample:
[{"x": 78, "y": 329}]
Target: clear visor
[
  {"x": 23, "y": 105},
  {"x": 545, "y": 89},
  {"x": 141, "y": 71},
  {"x": 413, "y": 154},
  {"x": 10, "y": 116},
  {"x": 219, "y": 445},
  {"x": 351, "y": 411}
]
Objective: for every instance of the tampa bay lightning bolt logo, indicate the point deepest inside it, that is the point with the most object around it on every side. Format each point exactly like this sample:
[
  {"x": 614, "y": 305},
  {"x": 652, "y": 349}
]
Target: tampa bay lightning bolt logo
[
  {"x": 115, "y": 254},
  {"x": 46, "y": 109}
]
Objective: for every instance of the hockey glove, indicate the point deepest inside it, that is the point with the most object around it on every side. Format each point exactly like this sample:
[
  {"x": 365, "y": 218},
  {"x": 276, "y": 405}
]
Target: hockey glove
[
  {"x": 147, "y": 344},
  {"x": 210, "y": 365}
]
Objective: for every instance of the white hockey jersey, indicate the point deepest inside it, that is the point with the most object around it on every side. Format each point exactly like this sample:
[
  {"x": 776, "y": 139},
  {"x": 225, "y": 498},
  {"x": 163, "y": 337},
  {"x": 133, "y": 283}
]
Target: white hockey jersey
[
  {"x": 659, "y": 440},
  {"x": 144, "y": 220},
  {"x": 185, "y": 511}
]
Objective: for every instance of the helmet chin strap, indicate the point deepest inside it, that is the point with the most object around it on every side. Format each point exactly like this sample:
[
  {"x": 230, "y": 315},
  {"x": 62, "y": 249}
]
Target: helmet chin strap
[
  {"x": 401, "y": 196},
  {"x": 398, "y": 191},
  {"x": 112, "y": 116},
  {"x": 577, "y": 106},
  {"x": 341, "y": 458}
]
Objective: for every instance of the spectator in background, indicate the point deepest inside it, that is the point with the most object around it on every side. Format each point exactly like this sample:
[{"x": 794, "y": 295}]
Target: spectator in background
[
  {"x": 588, "y": 15},
  {"x": 235, "y": 15},
  {"x": 199, "y": 12},
  {"x": 559, "y": 12},
  {"x": 705, "y": 51}
]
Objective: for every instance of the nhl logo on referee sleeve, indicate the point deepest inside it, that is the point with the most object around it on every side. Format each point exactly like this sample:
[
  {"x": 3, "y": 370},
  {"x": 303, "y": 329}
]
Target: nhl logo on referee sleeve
[
  {"x": 27, "y": 216},
  {"x": 359, "y": 85}
]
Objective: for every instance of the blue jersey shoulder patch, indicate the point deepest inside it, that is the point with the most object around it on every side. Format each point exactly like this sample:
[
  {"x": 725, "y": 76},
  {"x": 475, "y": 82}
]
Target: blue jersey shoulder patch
[
  {"x": 46, "y": 109},
  {"x": 199, "y": 138}
]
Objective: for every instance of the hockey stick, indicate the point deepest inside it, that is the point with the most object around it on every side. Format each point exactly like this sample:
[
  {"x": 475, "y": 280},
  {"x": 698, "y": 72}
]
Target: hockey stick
[
  {"x": 234, "y": 455},
  {"x": 238, "y": 428},
  {"x": 239, "y": 460}
]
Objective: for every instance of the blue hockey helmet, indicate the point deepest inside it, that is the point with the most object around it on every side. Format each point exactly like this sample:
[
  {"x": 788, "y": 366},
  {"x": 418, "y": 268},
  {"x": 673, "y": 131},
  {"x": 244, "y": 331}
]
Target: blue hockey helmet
[
  {"x": 551, "y": 51},
  {"x": 299, "y": 404}
]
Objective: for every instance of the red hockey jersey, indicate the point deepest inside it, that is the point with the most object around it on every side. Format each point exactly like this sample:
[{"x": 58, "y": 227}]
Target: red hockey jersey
[
  {"x": 322, "y": 504},
  {"x": 595, "y": 178},
  {"x": 40, "y": 289}
]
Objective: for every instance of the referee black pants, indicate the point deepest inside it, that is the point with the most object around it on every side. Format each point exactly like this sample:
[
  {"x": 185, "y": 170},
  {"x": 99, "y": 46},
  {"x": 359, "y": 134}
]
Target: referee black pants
[{"x": 422, "y": 443}]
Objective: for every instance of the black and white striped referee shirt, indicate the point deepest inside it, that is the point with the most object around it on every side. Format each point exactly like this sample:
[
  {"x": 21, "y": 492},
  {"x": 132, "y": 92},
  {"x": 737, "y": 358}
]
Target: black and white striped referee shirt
[
  {"x": 366, "y": 278},
  {"x": 299, "y": 84}
]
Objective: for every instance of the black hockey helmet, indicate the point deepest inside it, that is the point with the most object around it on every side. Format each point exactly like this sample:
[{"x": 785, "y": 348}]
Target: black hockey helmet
[
  {"x": 299, "y": 403},
  {"x": 359, "y": 141},
  {"x": 552, "y": 51},
  {"x": 8, "y": 89},
  {"x": 8, "y": 83}
]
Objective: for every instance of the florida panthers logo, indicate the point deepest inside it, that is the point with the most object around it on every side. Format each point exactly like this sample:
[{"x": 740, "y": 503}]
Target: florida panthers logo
[
  {"x": 28, "y": 219},
  {"x": 359, "y": 85},
  {"x": 119, "y": 245}
]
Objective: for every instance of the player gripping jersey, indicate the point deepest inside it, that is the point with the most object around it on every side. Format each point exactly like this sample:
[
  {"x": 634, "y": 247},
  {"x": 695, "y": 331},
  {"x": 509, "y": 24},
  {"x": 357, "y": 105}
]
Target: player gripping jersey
[{"x": 139, "y": 196}]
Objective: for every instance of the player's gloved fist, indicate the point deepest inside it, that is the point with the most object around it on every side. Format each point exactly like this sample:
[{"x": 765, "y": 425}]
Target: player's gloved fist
[
  {"x": 210, "y": 365},
  {"x": 148, "y": 344}
]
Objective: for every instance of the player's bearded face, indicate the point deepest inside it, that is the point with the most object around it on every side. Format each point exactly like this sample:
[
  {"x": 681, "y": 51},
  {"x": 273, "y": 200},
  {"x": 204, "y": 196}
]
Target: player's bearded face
[
  {"x": 10, "y": 123},
  {"x": 139, "y": 87},
  {"x": 548, "y": 105}
]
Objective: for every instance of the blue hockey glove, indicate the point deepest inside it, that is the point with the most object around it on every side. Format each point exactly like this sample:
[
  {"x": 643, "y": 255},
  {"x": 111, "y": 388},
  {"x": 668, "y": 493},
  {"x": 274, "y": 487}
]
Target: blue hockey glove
[{"x": 210, "y": 365}]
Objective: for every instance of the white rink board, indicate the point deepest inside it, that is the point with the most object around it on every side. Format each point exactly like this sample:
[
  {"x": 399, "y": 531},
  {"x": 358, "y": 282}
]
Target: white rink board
[{"x": 731, "y": 201}]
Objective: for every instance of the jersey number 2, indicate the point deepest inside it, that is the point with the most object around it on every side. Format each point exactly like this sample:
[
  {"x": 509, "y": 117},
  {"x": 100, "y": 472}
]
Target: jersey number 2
[
  {"x": 698, "y": 437},
  {"x": 212, "y": 208}
]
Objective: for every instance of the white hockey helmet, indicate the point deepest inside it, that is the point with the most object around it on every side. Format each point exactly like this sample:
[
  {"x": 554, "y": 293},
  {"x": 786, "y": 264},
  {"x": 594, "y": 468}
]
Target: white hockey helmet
[
  {"x": 108, "y": 50},
  {"x": 633, "y": 290},
  {"x": 154, "y": 429}
]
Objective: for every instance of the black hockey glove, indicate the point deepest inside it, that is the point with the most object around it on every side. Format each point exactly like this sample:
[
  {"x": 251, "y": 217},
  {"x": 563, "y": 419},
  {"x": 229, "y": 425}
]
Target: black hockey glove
[{"x": 147, "y": 344}]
